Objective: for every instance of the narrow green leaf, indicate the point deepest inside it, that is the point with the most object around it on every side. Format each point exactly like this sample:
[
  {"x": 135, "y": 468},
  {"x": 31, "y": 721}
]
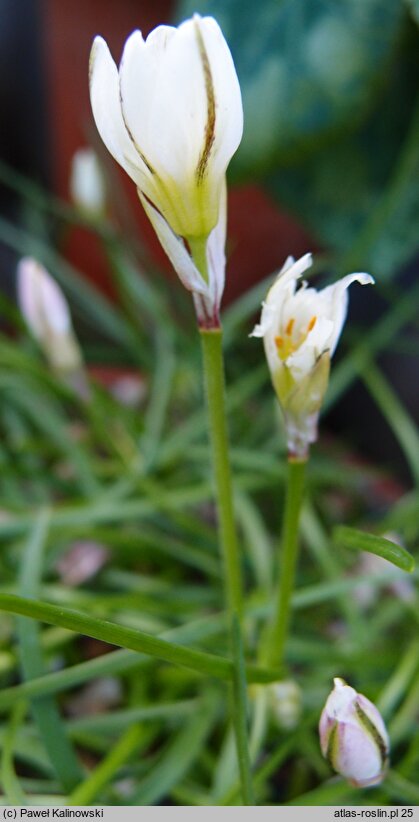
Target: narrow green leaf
[
  {"x": 399, "y": 681},
  {"x": 108, "y": 767},
  {"x": 10, "y": 783},
  {"x": 398, "y": 418},
  {"x": 155, "y": 416},
  {"x": 179, "y": 755},
  {"x": 360, "y": 541},
  {"x": 109, "y": 723},
  {"x": 199, "y": 661},
  {"x": 44, "y": 709},
  {"x": 401, "y": 789}
]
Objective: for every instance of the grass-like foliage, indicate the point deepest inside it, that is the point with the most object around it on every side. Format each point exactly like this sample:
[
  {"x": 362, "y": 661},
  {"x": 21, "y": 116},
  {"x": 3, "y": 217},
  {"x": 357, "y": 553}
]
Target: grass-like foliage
[{"x": 116, "y": 679}]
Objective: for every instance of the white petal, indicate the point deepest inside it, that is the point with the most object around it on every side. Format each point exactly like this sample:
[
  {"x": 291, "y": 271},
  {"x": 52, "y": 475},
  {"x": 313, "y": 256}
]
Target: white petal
[
  {"x": 305, "y": 357},
  {"x": 106, "y": 107},
  {"x": 340, "y": 703},
  {"x": 141, "y": 67},
  {"x": 289, "y": 274},
  {"x": 165, "y": 101},
  {"x": 358, "y": 756},
  {"x": 229, "y": 109},
  {"x": 163, "y": 98},
  {"x": 266, "y": 321},
  {"x": 334, "y": 302},
  {"x": 216, "y": 251},
  {"x": 283, "y": 287},
  {"x": 176, "y": 251},
  {"x": 288, "y": 263}
]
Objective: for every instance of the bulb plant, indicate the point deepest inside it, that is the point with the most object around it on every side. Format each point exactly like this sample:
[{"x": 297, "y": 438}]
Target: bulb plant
[{"x": 171, "y": 115}]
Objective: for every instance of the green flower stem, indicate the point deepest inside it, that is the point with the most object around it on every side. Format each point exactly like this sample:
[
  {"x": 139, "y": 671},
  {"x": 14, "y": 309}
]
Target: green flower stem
[
  {"x": 289, "y": 552},
  {"x": 215, "y": 394}
]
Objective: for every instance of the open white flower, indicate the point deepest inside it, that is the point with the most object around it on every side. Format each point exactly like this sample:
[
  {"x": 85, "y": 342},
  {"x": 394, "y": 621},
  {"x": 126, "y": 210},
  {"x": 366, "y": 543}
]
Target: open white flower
[
  {"x": 47, "y": 315},
  {"x": 300, "y": 330},
  {"x": 172, "y": 117},
  {"x": 353, "y": 736}
]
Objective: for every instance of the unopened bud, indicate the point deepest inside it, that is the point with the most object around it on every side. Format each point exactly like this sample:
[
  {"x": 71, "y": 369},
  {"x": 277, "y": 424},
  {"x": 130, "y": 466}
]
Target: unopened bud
[
  {"x": 87, "y": 186},
  {"x": 285, "y": 703},
  {"x": 353, "y": 736},
  {"x": 47, "y": 316}
]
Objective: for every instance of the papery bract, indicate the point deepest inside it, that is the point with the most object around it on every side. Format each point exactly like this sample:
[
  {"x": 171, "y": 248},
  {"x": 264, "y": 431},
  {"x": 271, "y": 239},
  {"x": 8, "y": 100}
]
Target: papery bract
[
  {"x": 353, "y": 737},
  {"x": 172, "y": 117},
  {"x": 300, "y": 330}
]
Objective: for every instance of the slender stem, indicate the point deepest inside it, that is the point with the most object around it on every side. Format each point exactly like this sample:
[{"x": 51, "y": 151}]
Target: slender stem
[
  {"x": 239, "y": 712},
  {"x": 279, "y": 628},
  {"x": 215, "y": 394}
]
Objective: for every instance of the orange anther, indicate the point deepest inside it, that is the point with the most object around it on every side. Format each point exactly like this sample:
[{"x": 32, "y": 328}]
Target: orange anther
[
  {"x": 279, "y": 342},
  {"x": 290, "y": 326},
  {"x": 311, "y": 324}
]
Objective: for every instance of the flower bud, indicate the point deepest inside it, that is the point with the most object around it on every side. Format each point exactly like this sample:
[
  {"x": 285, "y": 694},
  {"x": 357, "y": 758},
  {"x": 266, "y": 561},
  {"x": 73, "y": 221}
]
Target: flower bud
[
  {"x": 300, "y": 331},
  {"x": 172, "y": 116},
  {"x": 353, "y": 737},
  {"x": 87, "y": 186},
  {"x": 47, "y": 316},
  {"x": 285, "y": 703}
]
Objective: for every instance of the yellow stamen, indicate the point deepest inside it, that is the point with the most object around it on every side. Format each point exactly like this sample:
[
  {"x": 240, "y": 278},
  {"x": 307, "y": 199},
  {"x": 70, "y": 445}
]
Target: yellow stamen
[
  {"x": 311, "y": 324},
  {"x": 290, "y": 326},
  {"x": 279, "y": 342}
]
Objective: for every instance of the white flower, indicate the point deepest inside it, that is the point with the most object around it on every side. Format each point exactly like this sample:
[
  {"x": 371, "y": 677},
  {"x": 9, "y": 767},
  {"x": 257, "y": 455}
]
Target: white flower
[
  {"x": 87, "y": 186},
  {"x": 353, "y": 736},
  {"x": 172, "y": 117},
  {"x": 47, "y": 315},
  {"x": 300, "y": 330}
]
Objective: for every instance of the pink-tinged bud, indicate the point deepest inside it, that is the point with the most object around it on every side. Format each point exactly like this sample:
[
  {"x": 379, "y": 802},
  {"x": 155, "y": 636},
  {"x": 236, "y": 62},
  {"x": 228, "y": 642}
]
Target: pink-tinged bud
[
  {"x": 47, "y": 315},
  {"x": 353, "y": 736}
]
